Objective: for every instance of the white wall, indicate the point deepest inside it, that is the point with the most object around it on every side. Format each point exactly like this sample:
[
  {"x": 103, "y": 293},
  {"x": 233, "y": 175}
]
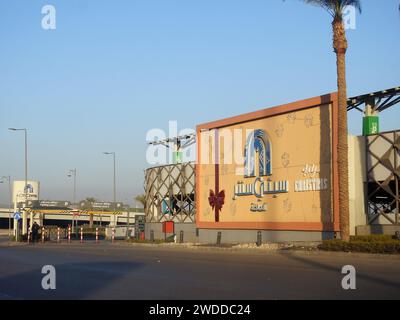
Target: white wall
[{"x": 357, "y": 172}]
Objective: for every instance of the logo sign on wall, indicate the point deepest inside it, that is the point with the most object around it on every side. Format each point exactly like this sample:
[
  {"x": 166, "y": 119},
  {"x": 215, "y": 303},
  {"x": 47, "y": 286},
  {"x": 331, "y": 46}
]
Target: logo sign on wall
[{"x": 258, "y": 151}]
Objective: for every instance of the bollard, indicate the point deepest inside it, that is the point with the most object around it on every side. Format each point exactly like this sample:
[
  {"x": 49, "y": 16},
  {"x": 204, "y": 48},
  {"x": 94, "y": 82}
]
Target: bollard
[
  {"x": 181, "y": 237},
  {"x": 113, "y": 235},
  {"x": 259, "y": 239},
  {"x": 97, "y": 235},
  {"x": 219, "y": 238},
  {"x": 152, "y": 235},
  {"x": 69, "y": 234},
  {"x": 58, "y": 234},
  {"x": 29, "y": 231},
  {"x": 81, "y": 235},
  {"x": 43, "y": 230}
]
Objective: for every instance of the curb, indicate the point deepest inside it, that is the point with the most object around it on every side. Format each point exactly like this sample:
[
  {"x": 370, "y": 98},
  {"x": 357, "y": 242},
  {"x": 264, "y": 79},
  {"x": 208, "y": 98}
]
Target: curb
[
  {"x": 290, "y": 251},
  {"x": 213, "y": 248}
]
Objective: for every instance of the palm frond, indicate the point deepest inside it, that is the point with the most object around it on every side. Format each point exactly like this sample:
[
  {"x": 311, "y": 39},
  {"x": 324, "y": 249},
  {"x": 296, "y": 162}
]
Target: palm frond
[{"x": 335, "y": 7}]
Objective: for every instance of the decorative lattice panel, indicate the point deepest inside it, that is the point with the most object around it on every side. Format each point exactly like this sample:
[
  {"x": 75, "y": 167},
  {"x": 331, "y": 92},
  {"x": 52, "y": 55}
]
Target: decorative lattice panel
[
  {"x": 383, "y": 177},
  {"x": 170, "y": 193}
]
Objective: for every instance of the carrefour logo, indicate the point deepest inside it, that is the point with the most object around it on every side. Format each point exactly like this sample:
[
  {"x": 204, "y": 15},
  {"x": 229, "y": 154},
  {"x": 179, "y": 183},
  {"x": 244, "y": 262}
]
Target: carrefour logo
[{"x": 29, "y": 188}]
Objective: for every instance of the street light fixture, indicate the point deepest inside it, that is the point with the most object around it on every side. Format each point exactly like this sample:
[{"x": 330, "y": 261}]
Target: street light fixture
[
  {"x": 24, "y": 221},
  {"x": 72, "y": 173},
  {"x": 115, "y": 188},
  {"x": 3, "y": 180}
]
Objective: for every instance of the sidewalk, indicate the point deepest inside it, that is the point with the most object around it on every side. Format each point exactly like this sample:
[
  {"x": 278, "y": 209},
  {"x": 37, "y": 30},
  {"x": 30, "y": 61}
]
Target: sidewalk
[
  {"x": 4, "y": 232},
  {"x": 309, "y": 250},
  {"x": 268, "y": 248}
]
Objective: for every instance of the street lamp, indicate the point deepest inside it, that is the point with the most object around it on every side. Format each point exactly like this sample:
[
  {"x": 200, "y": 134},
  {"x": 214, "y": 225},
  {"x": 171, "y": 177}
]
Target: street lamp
[
  {"x": 72, "y": 173},
  {"x": 3, "y": 180},
  {"x": 24, "y": 221},
  {"x": 115, "y": 188}
]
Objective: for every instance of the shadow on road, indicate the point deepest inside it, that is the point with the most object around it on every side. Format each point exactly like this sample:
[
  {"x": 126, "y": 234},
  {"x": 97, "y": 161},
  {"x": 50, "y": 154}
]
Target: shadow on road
[
  {"x": 77, "y": 280},
  {"x": 362, "y": 276}
]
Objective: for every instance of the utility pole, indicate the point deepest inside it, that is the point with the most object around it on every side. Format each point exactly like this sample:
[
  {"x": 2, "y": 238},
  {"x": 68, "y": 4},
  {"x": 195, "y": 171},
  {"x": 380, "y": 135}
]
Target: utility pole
[
  {"x": 24, "y": 216},
  {"x": 72, "y": 173},
  {"x": 8, "y": 178},
  {"x": 114, "y": 187}
]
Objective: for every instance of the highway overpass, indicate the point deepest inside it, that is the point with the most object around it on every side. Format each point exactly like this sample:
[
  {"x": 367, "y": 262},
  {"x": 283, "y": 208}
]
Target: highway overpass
[{"x": 62, "y": 219}]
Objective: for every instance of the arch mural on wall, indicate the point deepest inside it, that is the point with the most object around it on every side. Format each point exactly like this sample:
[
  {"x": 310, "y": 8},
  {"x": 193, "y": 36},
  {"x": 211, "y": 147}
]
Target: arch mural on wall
[{"x": 258, "y": 143}]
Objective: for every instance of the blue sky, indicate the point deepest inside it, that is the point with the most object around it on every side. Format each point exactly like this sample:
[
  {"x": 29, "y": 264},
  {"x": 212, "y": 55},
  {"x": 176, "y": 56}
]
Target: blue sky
[{"x": 112, "y": 70}]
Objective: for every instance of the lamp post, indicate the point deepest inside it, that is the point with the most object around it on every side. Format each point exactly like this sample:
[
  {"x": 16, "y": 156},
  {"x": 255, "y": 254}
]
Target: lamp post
[
  {"x": 24, "y": 217},
  {"x": 2, "y": 180},
  {"x": 72, "y": 173},
  {"x": 115, "y": 188}
]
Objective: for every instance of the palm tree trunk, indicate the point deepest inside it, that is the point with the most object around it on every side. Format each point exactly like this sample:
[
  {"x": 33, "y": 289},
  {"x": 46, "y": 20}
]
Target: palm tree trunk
[{"x": 340, "y": 47}]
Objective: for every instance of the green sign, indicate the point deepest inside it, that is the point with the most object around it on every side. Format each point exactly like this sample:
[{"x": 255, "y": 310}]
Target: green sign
[
  {"x": 370, "y": 125},
  {"x": 107, "y": 206},
  {"x": 54, "y": 204},
  {"x": 177, "y": 157},
  {"x": 47, "y": 204}
]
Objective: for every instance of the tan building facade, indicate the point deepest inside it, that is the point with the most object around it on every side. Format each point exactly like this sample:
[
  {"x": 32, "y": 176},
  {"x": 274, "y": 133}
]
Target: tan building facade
[
  {"x": 273, "y": 174},
  {"x": 271, "y": 170}
]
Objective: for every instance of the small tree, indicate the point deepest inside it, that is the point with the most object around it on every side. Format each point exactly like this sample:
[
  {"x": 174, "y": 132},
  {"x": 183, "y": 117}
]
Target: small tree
[
  {"x": 89, "y": 206},
  {"x": 141, "y": 198}
]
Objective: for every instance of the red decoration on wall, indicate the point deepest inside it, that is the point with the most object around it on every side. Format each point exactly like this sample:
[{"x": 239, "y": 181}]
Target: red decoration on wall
[
  {"x": 216, "y": 202},
  {"x": 168, "y": 227}
]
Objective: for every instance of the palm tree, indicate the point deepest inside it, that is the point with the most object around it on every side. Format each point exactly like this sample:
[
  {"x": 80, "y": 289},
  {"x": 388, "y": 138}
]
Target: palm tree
[
  {"x": 141, "y": 198},
  {"x": 89, "y": 206},
  {"x": 89, "y": 203},
  {"x": 336, "y": 8}
]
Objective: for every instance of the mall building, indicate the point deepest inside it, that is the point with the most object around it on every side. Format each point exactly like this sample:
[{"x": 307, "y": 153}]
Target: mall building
[{"x": 273, "y": 175}]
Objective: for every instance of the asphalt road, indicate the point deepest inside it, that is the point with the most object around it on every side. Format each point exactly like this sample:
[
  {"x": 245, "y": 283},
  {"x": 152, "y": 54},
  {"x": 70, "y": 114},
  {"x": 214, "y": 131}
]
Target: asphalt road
[{"x": 107, "y": 271}]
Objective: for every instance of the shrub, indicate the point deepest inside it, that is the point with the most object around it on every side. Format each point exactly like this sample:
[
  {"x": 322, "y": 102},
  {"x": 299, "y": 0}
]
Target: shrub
[
  {"x": 387, "y": 245},
  {"x": 156, "y": 241},
  {"x": 372, "y": 238}
]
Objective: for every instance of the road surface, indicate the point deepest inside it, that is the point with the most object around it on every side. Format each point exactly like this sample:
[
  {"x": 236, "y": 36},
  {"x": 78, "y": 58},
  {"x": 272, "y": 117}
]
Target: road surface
[{"x": 107, "y": 271}]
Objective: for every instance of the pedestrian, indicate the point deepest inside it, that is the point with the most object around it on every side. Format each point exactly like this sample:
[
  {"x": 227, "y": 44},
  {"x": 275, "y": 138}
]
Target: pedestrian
[{"x": 35, "y": 232}]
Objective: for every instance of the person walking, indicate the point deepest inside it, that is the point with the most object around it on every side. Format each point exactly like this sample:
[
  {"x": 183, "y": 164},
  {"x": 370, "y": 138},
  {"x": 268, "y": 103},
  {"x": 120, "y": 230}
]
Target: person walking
[{"x": 35, "y": 232}]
